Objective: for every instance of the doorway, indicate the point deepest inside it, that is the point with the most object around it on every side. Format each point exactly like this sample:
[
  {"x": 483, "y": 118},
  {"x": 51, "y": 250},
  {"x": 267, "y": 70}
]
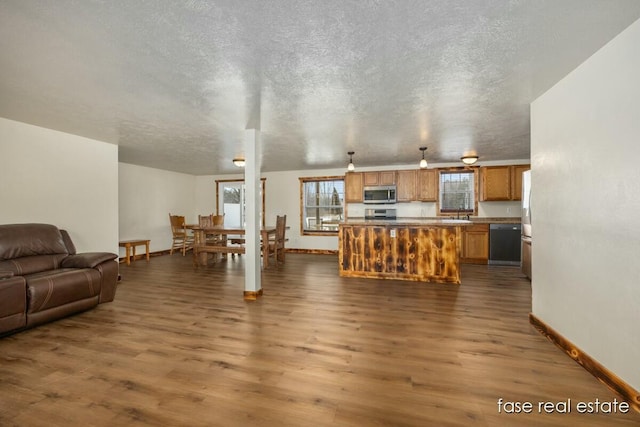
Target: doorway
[
  {"x": 233, "y": 204},
  {"x": 230, "y": 202}
]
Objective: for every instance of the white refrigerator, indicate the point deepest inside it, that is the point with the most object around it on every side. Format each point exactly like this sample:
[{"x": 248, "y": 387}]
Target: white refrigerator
[
  {"x": 526, "y": 224},
  {"x": 526, "y": 204}
]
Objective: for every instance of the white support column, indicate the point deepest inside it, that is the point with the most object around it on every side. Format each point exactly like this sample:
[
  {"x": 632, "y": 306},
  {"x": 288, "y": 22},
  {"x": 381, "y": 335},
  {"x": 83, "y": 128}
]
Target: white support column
[{"x": 252, "y": 269}]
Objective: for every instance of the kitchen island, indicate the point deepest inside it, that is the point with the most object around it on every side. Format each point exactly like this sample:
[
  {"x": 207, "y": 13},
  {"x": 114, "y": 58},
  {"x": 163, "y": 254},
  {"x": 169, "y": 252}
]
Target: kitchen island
[{"x": 419, "y": 250}]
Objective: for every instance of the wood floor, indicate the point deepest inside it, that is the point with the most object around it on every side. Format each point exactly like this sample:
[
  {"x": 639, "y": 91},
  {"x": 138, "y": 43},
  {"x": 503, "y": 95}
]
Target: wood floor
[{"x": 180, "y": 347}]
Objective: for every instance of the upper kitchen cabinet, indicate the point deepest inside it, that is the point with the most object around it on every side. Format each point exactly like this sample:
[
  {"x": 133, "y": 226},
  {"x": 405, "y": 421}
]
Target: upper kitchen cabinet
[
  {"x": 427, "y": 185},
  {"x": 516, "y": 180},
  {"x": 406, "y": 185},
  {"x": 353, "y": 183},
  {"x": 501, "y": 182},
  {"x": 496, "y": 183},
  {"x": 379, "y": 178}
]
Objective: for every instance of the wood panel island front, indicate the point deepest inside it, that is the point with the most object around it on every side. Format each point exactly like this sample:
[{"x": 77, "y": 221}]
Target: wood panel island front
[{"x": 418, "y": 250}]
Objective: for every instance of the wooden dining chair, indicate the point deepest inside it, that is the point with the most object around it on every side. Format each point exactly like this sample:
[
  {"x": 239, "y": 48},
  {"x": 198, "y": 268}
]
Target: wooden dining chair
[
  {"x": 217, "y": 219},
  {"x": 210, "y": 221},
  {"x": 208, "y": 239},
  {"x": 182, "y": 238},
  {"x": 232, "y": 239},
  {"x": 276, "y": 245}
]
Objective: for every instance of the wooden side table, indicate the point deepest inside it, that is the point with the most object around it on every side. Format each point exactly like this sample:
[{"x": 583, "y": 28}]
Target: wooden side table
[{"x": 129, "y": 244}]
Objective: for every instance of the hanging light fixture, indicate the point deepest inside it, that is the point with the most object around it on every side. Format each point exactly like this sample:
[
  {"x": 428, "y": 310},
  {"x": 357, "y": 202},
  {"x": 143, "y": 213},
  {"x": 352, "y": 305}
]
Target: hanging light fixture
[
  {"x": 469, "y": 160},
  {"x": 239, "y": 162},
  {"x": 423, "y": 162},
  {"x": 351, "y": 167}
]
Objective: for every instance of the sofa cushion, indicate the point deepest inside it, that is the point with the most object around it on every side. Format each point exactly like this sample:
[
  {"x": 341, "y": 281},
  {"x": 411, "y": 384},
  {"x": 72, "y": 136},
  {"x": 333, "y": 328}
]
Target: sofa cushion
[
  {"x": 87, "y": 259},
  {"x": 32, "y": 264},
  {"x": 23, "y": 240},
  {"x": 71, "y": 248},
  {"x": 13, "y": 302},
  {"x": 55, "y": 288}
]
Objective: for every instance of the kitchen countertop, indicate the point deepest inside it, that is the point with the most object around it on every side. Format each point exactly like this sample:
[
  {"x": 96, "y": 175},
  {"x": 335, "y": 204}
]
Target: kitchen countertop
[
  {"x": 432, "y": 221},
  {"x": 406, "y": 221},
  {"x": 497, "y": 220}
]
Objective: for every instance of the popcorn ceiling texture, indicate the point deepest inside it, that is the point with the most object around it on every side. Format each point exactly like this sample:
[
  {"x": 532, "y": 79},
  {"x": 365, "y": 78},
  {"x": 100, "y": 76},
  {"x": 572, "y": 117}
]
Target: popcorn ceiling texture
[{"x": 175, "y": 84}]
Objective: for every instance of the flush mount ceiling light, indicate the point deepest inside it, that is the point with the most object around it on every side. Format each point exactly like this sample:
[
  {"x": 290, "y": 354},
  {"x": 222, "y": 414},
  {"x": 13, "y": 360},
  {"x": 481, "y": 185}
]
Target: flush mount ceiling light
[
  {"x": 239, "y": 162},
  {"x": 469, "y": 160},
  {"x": 423, "y": 162},
  {"x": 351, "y": 167}
]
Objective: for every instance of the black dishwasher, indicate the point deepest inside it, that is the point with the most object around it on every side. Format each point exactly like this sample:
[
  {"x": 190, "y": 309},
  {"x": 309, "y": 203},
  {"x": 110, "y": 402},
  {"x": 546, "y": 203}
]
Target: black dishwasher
[{"x": 504, "y": 244}]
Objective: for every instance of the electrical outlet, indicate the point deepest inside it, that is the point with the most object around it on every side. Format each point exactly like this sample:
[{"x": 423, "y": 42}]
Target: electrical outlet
[
  {"x": 392, "y": 233},
  {"x": 508, "y": 210}
]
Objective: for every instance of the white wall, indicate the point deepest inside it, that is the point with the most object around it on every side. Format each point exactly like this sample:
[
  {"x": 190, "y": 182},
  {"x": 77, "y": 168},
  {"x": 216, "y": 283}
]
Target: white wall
[
  {"x": 147, "y": 197},
  {"x": 62, "y": 179},
  {"x": 585, "y": 205}
]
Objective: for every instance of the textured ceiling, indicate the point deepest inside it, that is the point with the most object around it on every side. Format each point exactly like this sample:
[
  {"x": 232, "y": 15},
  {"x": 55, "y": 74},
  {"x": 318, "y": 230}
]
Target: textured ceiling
[{"x": 175, "y": 84}]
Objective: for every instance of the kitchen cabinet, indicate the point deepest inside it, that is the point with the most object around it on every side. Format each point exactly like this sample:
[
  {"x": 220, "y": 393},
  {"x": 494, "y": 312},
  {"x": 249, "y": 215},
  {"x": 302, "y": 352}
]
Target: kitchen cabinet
[
  {"x": 387, "y": 177},
  {"x": 353, "y": 183},
  {"x": 526, "y": 257},
  {"x": 406, "y": 186},
  {"x": 501, "y": 183},
  {"x": 496, "y": 183},
  {"x": 475, "y": 244},
  {"x": 379, "y": 178},
  {"x": 427, "y": 185},
  {"x": 516, "y": 180}
]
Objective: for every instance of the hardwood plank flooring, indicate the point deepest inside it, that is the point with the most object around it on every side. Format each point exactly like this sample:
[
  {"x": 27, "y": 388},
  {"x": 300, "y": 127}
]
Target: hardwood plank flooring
[{"x": 180, "y": 347}]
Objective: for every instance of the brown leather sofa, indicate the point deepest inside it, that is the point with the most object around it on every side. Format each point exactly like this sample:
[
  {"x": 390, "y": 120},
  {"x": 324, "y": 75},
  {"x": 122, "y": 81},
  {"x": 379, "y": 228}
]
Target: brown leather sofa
[{"x": 42, "y": 278}]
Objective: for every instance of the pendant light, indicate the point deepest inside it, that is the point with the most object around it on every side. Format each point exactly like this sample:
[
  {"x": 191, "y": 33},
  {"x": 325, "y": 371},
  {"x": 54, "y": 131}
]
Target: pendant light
[
  {"x": 423, "y": 162},
  {"x": 351, "y": 167}
]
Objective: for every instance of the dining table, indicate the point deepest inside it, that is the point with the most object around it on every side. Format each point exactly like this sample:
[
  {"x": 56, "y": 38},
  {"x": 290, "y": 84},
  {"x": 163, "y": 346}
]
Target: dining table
[{"x": 202, "y": 248}]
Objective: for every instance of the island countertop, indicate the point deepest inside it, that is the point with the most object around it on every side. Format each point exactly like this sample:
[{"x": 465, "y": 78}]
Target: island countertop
[
  {"x": 432, "y": 221},
  {"x": 406, "y": 222}
]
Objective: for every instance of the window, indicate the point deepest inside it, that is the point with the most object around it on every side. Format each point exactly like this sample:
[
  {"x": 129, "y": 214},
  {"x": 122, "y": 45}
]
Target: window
[
  {"x": 457, "y": 192},
  {"x": 321, "y": 204}
]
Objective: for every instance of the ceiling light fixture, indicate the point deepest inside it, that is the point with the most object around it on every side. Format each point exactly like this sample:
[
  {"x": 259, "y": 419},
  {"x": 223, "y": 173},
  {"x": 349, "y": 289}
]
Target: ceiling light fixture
[
  {"x": 423, "y": 162},
  {"x": 239, "y": 162},
  {"x": 351, "y": 167},
  {"x": 469, "y": 160}
]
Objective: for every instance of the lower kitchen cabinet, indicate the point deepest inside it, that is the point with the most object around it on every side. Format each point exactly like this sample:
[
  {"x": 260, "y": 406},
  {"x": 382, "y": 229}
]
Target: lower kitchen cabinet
[
  {"x": 475, "y": 244},
  {"x": 526, "y": 257}
]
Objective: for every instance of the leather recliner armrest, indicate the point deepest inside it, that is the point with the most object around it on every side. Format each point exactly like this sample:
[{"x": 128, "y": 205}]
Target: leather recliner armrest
[
  {"x": 4, "y": 274},
  {"x": 87, "y": 259}
]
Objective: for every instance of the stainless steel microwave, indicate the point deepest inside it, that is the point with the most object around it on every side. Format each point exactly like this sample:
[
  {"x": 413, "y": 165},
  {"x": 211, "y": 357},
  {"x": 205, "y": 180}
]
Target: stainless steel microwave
[{"x": 379, "y": 194}]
